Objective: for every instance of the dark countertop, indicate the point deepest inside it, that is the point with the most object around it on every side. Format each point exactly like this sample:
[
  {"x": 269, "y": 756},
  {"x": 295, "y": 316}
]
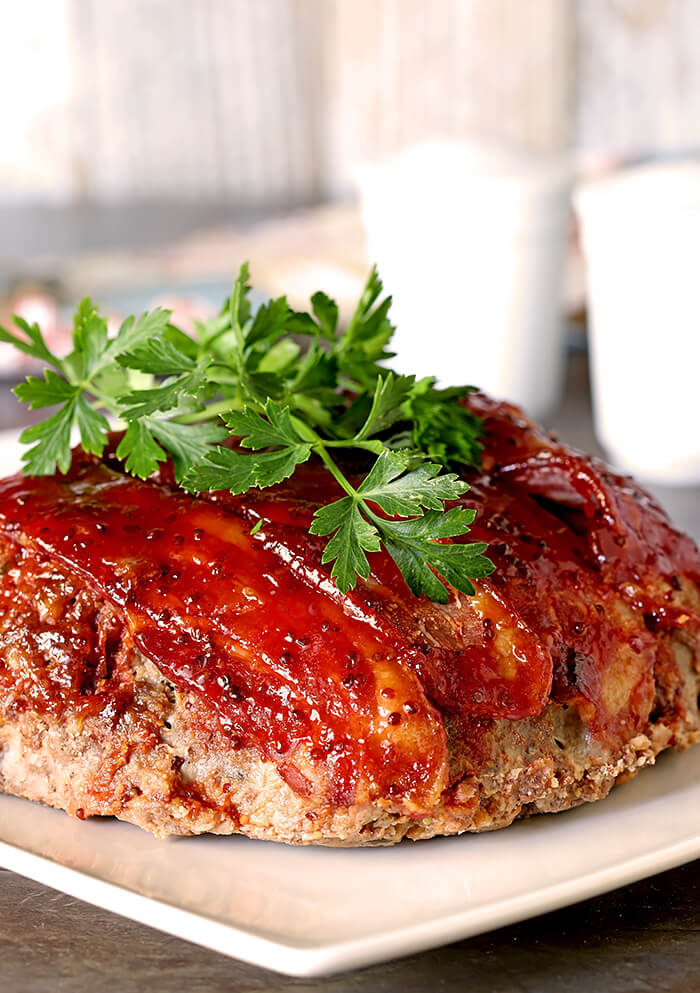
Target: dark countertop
[{"x": 645, "y": 937}]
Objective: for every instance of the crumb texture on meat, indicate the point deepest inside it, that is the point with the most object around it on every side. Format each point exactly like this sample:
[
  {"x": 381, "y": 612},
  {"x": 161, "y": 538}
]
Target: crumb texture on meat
[{"x": 190, "y": 678}]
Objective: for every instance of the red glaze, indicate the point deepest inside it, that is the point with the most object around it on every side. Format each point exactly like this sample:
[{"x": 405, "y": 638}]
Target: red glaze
[
  {"x": 452, "y": 647},
  {"x": 587, "y": 559},
  {"x": 340, "y": 691},
  {"x": 285, "y": 666}
]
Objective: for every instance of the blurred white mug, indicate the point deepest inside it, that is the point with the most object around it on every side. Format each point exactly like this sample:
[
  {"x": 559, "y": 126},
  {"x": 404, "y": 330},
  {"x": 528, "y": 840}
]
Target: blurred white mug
[
  {"x": 641, "y": 238},
  {"x": 470, "y": 239}
]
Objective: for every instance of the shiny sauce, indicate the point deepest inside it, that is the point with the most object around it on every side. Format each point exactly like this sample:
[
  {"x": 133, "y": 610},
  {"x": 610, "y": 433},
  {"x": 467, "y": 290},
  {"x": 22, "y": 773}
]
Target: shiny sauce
[{"x": 288, "y": 670}]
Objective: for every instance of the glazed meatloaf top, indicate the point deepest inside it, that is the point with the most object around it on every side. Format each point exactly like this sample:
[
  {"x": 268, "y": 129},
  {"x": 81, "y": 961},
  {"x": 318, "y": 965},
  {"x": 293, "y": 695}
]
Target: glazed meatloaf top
[{"x": 351, "y": 697}]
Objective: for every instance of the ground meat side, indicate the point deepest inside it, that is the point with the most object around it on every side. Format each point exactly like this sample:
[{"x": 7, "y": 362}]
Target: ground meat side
[{"x": 113, "y": 737}]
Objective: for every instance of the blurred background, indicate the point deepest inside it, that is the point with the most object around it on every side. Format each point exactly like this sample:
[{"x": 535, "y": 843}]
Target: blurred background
[{"x": 149, "y": 146}]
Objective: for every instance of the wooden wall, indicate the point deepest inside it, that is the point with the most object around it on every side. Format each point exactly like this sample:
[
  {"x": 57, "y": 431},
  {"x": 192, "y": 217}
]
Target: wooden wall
[{"x": 277, "y": 101}]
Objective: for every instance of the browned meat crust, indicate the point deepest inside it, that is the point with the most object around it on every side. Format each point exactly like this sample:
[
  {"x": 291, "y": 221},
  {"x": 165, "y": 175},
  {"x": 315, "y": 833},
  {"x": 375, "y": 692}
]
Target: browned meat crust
[{"x": 146, "y": 753}]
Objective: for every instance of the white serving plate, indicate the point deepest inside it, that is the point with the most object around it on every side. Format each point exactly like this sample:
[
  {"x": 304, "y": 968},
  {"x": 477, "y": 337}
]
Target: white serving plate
[{"x": 314, "y": 911}]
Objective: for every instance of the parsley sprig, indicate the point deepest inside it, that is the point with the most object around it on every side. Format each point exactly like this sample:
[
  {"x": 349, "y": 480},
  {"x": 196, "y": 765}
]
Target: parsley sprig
[{"x": 287, "y": 385}]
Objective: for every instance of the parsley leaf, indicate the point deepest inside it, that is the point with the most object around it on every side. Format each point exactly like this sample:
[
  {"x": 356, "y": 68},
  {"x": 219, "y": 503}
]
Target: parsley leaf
[
  {"x": 159, "y": 356},
  {"x": 357, "y": 529},
  {"x": 52, "y": 437},
  {"x": 92, "y": 425},
  {"x": 46, "y": 392},
  {"x": 353, "y": 537},
  {"x": 89, "y": 339},
  {"x": 140, "y": 451},
  {"x": 32, "y": 344},
  {"x": 131, "y": 334},
  {"x": 187, "y": 443},
  {"x": 326, "y": 313},
  {"x": 142, "y": 403},
  {"x": 222, "y": 469},
  {"x": 415, "y": 547},
  {"x": 258, "y": 431},
  {"x": 269, "y": 323},
  {"x": 390, "y": 394},
  {"x": 273, "y": 430},
  {"x": 76, "y": 411},
  {"x": 442, "y": 426},
  {"x": 404, "y": 493},
  {"x": 364, "y": 343}
]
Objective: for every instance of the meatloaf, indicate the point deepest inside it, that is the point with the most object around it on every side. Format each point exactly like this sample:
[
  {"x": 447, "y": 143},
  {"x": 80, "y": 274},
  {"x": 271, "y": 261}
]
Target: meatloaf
[{"x": 162, "y": 664}]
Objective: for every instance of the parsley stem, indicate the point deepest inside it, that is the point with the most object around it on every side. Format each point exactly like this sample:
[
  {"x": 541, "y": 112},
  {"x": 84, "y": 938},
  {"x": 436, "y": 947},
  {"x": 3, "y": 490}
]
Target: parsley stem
[
  {"x": 370, "y": 446},
  {"x": 320, "y": 450},
  {"x": 213, "y": 410},
  {"x": 319, "y": 447},
  {"x": 105, "y": 401}
]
